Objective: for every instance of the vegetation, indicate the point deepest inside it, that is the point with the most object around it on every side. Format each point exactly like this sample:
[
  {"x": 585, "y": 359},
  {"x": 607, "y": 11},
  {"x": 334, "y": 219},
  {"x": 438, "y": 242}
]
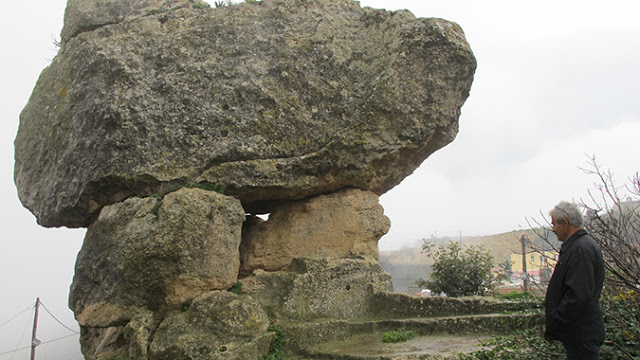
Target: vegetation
[
  {"x": 506, "y": 270},
  {"x": 528, "y": 344},
  {"x": 397, "y": 336},
  {"x": 622, "y": 323},
  {"x": 277, "y": 343},
  {"x": 613, "y": 220},
  {"x": 205, "y": 185},
  {"x": 459, "y": 271},
  {"x": 516, "y": 295},
  {"x": 237, "y": 288}
]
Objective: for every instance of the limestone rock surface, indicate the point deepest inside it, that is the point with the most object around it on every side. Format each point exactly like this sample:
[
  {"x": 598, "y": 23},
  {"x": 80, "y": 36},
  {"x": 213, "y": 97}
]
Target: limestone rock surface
[
  {"x": 342, "y": 224},
  {"x": 82, "y": 15},
  {"x": 151, "y": 254},
  {"x": 320, "y": 288},
  {"x": 215, "y": 325},
  {"x": 218, "y": 325},
  {"x": 274, "y": 100}
]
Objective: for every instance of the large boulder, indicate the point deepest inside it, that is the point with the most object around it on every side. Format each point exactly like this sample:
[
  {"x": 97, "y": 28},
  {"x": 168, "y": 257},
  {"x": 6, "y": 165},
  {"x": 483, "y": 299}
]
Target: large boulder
[
  {"x": 156, "y": 254},
  {"x": 343, "y": 224},
  {"x": 274, "y": 100}
]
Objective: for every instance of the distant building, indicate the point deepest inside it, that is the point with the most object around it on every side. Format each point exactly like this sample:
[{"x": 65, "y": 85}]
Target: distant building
[{"x": 539, "y": 266}]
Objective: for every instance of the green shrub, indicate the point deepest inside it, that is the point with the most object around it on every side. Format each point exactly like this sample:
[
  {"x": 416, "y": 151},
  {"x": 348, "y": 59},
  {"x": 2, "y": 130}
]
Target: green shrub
[
  {"x": 277, "y": 343},
  {"x": 396, "y": 336},
  {"x": 458, "y": 270},
  {"x": 622, "y": 322}
]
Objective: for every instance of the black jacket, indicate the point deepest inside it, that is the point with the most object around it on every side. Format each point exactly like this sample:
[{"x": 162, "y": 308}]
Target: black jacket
[{"x": 572, "y": 304}]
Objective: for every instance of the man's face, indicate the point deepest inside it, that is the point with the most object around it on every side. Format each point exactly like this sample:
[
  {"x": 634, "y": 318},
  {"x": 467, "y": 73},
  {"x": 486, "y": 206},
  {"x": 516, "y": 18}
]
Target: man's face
[{"x": 560, "y": 228}]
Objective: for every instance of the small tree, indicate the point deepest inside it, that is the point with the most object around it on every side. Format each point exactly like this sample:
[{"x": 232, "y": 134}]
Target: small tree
[
  {"x": 458, "y": 270},
  {"x": 506, "y": 270},
  {"x": 613, "y": 220}
]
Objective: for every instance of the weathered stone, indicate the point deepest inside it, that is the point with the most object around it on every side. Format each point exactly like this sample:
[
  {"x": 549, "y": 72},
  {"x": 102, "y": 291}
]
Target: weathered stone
[
  {"x": 346, "y": 223},
  {"x": 320, "y": 288},
  {"x": 82, "y": 15},
  {"x": 272, "y": 100},
  {"x": 103, "y": 343},
  {"x": 156, "y": 254},
  {"x": 138, "y": 335},
  {"x": 218, "y": 325}
]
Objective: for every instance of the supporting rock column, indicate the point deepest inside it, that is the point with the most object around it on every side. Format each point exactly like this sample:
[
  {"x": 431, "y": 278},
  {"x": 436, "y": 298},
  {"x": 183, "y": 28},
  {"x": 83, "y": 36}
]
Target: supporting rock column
[
  {"x": 145, "y": 259},
  {"x": 349, "y": 222}
]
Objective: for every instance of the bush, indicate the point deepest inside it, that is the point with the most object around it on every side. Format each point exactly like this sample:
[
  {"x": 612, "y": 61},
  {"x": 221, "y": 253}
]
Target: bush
[
  {"x": 459, "y": 271},
  {"x": 622, "y": 323}
]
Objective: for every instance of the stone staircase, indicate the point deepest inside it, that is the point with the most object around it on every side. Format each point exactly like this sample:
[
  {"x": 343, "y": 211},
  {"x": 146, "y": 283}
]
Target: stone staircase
[{"x": 443, "y": 327}]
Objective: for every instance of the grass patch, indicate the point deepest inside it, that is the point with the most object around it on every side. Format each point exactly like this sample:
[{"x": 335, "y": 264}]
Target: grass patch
[
  {"x": 397, "y": 336},
  {"x": 205, "y": 185},
  {"x": 515, "y": 295},
  {"x": 237, "y": 288}
]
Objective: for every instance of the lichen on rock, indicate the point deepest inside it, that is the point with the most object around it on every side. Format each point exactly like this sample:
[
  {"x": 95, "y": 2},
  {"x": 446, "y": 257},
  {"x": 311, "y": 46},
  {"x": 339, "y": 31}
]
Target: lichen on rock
[
  {"x": 135, "y": 260},
  {"x": 342, "y": 224},
  {"x": 166, "y": 126},
  {"x": 279, "y": 100}
]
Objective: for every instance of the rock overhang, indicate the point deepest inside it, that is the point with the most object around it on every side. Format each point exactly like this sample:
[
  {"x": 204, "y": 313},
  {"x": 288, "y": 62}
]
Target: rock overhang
[{"x": 272, "y": 101}]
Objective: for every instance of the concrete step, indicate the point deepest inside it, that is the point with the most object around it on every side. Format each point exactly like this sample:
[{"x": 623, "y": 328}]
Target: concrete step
[
  {"x": 370, "y": 346},
  {"x": 436, "y": 336}
]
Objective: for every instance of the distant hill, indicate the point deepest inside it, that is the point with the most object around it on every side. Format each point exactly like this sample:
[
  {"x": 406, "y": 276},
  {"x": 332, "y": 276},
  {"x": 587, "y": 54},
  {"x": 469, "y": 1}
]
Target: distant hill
[
  {"x": 409, "y": 264},
  {"x": 501, "y": 246}
]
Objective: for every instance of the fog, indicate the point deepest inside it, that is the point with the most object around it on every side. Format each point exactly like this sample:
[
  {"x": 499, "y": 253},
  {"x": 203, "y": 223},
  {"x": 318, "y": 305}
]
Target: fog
[{"x": 556, "y": 82}]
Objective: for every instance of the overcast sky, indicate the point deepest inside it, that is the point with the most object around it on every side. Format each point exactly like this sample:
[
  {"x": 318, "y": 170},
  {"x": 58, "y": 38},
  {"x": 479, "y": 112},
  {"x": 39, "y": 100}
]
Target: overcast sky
[{"x": 556, "y": 81}]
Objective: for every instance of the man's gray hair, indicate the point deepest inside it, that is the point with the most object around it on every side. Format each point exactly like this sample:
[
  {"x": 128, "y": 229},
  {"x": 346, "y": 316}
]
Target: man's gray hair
[{"x": 569, "y": 211}]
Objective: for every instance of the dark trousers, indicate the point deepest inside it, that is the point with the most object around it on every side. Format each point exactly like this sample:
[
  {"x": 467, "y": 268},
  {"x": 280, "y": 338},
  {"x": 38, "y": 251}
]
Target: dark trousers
[{"x": 588, "y": 350}]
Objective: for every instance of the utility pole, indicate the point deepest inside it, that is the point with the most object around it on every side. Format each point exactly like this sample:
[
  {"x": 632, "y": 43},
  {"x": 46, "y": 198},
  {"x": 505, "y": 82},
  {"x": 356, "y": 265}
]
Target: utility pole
[
  {"x": 34, "y": 341},
  {"x": 523, "y": 240}
]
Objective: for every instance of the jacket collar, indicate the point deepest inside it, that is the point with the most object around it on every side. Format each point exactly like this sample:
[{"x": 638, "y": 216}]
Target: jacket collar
[{"x": 572, "y": 238}]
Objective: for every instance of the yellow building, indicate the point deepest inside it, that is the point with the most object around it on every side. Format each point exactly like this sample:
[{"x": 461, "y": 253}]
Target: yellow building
[{"x": 537, "y": 262}]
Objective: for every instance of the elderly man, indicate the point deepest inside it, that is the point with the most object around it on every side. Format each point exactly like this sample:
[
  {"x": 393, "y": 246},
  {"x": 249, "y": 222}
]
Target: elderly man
[{"x": 572, "y": 304}]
